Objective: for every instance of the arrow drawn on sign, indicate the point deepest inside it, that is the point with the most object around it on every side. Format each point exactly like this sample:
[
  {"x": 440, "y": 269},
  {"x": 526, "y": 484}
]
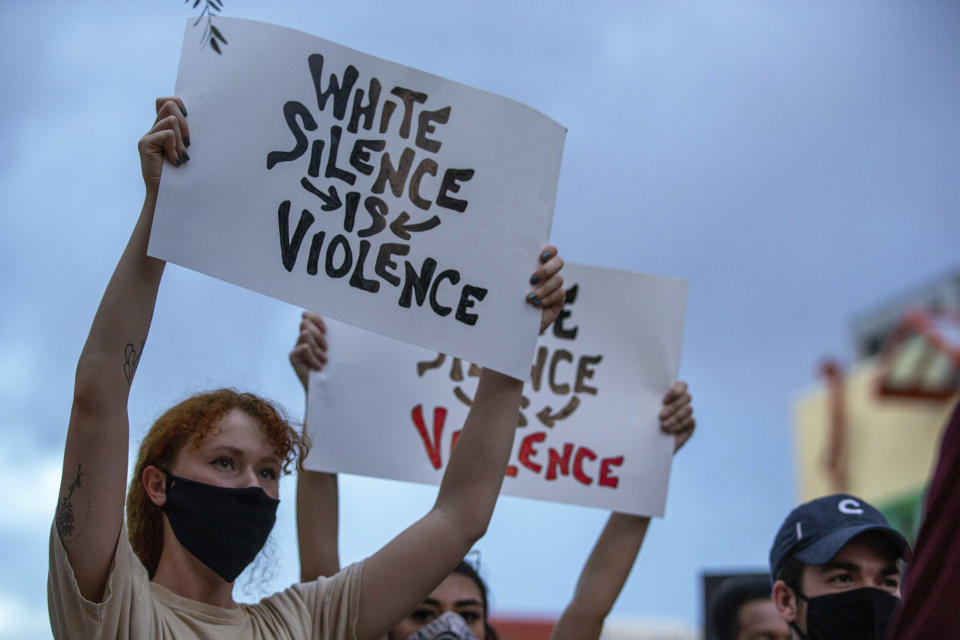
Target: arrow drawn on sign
[
  {"x": 402, "y": 230},
  {"x": 331, "y": 199},
  {"x": 544, "y": 414},
  {"x": 462, "y": 397}
]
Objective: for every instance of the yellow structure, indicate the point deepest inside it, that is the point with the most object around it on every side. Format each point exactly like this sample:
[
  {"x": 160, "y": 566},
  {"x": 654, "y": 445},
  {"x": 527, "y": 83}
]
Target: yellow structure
[{"x": 888, "y": 444}]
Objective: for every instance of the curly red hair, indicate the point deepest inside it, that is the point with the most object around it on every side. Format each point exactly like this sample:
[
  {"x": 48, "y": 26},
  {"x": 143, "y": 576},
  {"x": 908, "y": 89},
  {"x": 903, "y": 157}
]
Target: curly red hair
[{"x": 186, "y": 424}]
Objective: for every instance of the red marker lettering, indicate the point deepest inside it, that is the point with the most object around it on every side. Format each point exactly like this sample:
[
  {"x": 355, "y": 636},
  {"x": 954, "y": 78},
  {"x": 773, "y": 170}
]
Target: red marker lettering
[
  {"x": 433, "y": 447},
  {"x": 561, "y": 461},
  {"x": 578, "y": 473},
  {"x": 527, "y": 451},
  {"x": 607, "y": 480}
]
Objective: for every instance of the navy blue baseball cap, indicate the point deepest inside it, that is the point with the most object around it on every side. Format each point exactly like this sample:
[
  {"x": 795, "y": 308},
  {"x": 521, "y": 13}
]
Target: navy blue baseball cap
[{"x": 815, "y": 531}]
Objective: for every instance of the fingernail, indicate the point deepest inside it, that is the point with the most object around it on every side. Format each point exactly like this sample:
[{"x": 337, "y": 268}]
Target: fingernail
[
  {"x": 534, "y": 279},
  {"x": 532, "y": 297},
  {"x": 186, "y": 140},
  {"x": 545, "y": 255},
  {"x": 183, "y": 111},
  {"x": 179, "y": 161},
  {"x": 537, "y": 303},
  {"x": 186, "y": 156}
]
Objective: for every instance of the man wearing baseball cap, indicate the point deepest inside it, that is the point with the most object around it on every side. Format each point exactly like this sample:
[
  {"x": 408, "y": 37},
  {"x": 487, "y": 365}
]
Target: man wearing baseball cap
[{"x": 836, "y": 568}]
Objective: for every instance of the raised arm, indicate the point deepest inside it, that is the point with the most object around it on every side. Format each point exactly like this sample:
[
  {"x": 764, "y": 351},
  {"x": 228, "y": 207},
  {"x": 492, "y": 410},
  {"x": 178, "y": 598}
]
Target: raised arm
[
  {"x": 93, "y": 484},
  {"x": 616, "y": 549},
  {"x": 318, "y": 517},
  {"x": 401, "y": 574}
]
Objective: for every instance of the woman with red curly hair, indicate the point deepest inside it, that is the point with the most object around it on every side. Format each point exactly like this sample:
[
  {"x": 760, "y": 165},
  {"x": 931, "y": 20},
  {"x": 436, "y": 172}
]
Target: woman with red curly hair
[{"x": 204, "y": 495}]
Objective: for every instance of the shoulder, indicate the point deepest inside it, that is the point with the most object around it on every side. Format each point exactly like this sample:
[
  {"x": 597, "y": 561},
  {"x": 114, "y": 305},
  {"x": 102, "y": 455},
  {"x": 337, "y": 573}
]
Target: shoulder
[
  {"x": 324, "y": 608},
  {"x": 69, "y": 611},
  {"x": 308, "y": 594}
]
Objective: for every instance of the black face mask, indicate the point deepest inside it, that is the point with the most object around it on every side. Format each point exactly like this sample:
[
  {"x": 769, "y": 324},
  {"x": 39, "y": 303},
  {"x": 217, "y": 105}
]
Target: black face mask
[
  {"x": 858, "y": 614},
  {"x": 224, "y": 528}
]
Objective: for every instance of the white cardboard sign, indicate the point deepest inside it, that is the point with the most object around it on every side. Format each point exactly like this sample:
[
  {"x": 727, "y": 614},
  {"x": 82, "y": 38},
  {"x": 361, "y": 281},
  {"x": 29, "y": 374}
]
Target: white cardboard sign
[
  {"x": 383, "y": 196},
  {"x": 588, "y": 430}
]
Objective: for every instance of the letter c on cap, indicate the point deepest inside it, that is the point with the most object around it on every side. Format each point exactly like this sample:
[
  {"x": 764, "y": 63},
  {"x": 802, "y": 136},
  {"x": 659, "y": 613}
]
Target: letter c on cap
[{"x": 848, "y": 505}]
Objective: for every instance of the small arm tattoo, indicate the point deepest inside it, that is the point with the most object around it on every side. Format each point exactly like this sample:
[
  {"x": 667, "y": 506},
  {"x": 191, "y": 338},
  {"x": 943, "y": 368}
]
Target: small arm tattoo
[
  {"x": 131, "y": 358},
  {"x": 66, "y": 518}
]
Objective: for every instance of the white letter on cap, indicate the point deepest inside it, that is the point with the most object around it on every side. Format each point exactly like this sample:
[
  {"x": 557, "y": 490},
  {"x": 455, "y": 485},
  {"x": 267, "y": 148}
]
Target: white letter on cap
[{"x": 848, "y": 505}]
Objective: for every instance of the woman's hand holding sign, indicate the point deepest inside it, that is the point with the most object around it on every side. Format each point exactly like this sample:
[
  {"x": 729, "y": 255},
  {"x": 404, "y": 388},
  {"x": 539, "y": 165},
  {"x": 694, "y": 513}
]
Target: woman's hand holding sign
[
  {"x": 676, "y": 417},
  {"x": 310, "y": 352},
  {"x": 616, "y": 549},
  {"x": 549, "y": 293},
  {"x": 169, "y": 138}
]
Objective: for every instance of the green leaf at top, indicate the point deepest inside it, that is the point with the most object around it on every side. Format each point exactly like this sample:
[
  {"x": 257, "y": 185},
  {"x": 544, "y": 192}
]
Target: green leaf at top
[
  {"x": 213, "y": 43},
  {"x": 219, "y": 36}
]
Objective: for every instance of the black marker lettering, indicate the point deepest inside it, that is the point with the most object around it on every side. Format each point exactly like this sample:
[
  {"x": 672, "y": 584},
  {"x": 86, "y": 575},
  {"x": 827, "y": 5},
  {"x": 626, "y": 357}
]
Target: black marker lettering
[
  {"x": 427, "y": 165},
  {"x": 454, "y": 278},
  {"x": 409, "y": 96},
  {"x": 367, "y": 111},
  {"x": 425, "y": 126},
  {"x": 584, "y": 372},
  {"x": 378, "y": 210},
  {"x": 357, "y": 280},
  {"x": 388, "y": 108},
  {"x": 416, "y": 283},
  {"x": 332, "y": 170},
  {"x": 397, "y": 177},
  {"x": 314, "y": 169},
  {"x": 558, "y": 329},
  {"x": 466, "y": 303},
  {"x": 340, "y": 92},
  {"x": 450, "y": 178},
  {"x": 314, "y": 257},
  {"x": 344, "y": 268},
  {"x": 350, "y": 214},
  {"x": 359, "y": 156},
  {"x": 290, "y": 247},
  {"x": 291, "y": 110},
  {"x": 558, "y": 355},
  {"x": 385, "y": 263}
]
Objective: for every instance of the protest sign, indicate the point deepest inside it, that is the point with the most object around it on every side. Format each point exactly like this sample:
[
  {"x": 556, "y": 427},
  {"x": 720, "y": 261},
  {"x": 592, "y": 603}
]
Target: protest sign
[
  {"x": 588, "y": 431},
  {"x": 383, "y": 196}
]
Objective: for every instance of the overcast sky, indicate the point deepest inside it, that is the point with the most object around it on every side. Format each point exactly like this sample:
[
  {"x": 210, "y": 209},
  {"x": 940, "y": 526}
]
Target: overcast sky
[{"x": 796, "y": 162}]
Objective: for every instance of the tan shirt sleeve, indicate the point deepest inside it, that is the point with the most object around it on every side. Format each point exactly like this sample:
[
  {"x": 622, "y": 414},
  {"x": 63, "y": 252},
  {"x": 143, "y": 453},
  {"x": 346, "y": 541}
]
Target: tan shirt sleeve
[
  {"x": 327, "y": 608},
  {"x": 73, "y": 616}
]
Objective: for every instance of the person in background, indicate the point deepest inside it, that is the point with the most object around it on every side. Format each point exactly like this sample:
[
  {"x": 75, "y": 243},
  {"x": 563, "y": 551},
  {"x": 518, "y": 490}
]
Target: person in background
[
  {"x": 458, "y": 606},
  {"x": 931, "y": 589},
  {"x": 743, "y": 610},
  {"x": 613, "y": 555},
  {"x": 836, "y": 566}
]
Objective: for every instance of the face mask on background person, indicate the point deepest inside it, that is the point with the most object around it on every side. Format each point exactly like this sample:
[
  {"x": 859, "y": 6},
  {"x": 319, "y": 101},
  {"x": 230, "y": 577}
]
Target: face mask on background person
[
  {"x": 225, "y": 528},
  {"x": 449, "y": 626},
  {"x": 858, "y": 614}
]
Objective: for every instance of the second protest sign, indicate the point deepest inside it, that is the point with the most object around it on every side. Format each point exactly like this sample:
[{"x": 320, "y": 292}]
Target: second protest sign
[{"x": 588, "y": 431}]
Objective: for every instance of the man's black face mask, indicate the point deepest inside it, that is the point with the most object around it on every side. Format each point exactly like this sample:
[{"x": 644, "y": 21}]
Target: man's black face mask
[
  {"x": 858, "y": 614},
  {"x": 224, "y": 528}
]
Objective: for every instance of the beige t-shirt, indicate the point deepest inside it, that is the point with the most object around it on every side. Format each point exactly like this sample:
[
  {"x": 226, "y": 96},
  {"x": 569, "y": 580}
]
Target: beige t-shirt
[{"x": 134, "y": 608}]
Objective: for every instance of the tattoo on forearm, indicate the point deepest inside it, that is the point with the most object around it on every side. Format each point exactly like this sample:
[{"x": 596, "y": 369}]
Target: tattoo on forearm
[
  {"x": 131, "y": 358},
  {"x": 66, "y": 519}
]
